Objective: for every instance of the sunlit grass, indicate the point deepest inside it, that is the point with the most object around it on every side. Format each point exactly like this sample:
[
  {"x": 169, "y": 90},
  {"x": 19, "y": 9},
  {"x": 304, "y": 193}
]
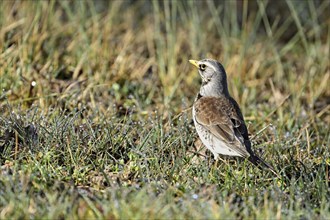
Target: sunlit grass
[{"x": 95, "y": 104}]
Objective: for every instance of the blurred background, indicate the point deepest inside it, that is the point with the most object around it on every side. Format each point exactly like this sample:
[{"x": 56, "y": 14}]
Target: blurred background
[{"x": 76, "y": 51}]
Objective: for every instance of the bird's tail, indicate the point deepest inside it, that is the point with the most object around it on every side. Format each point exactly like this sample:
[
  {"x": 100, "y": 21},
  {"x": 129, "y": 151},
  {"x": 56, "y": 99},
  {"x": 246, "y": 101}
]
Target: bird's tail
[{"x": 261, "y": 164}]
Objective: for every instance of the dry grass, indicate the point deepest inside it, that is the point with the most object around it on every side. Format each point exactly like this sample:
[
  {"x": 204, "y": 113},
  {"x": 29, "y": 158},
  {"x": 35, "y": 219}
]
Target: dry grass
[{"x": 95, "y": 109}]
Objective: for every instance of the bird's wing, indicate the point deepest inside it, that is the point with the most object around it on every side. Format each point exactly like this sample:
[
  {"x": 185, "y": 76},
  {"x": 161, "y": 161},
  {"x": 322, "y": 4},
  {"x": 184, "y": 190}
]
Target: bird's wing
[{"x": 222, "y": 119}]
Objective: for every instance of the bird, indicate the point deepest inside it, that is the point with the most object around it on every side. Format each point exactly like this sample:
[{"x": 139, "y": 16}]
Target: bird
[{"x": 217, "y": 116}]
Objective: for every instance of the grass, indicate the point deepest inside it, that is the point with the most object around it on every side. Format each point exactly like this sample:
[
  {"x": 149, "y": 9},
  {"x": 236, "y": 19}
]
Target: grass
[{"x": 95, "y": 109}]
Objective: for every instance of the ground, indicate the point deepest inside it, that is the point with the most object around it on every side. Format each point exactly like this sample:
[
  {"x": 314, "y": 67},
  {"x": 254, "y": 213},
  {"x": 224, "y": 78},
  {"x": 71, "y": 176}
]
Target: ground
[{"x": 96, "y": 100}]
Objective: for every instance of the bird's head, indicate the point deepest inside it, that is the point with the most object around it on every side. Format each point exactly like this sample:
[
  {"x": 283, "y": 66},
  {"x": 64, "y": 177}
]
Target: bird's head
[{"x": 214, "y": 79}]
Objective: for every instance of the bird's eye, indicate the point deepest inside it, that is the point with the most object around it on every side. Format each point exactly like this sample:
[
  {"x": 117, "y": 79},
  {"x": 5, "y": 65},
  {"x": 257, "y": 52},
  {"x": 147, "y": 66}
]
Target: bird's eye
[{"x": 202, "y": 67}]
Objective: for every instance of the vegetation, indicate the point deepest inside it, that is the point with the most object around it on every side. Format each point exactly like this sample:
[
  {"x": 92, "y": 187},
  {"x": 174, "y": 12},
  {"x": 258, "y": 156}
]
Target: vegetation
[{"x": 96, "y": 99}]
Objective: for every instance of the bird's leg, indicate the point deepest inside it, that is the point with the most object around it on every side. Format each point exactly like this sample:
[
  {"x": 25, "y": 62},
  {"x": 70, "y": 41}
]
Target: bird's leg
[
  {"x": 216, "y": 163},
  {"x": 216, "y": 157}
]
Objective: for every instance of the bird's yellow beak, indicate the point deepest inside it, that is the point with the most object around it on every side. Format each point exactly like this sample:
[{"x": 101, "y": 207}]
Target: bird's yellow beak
[{"x": 194, "y": 62}]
